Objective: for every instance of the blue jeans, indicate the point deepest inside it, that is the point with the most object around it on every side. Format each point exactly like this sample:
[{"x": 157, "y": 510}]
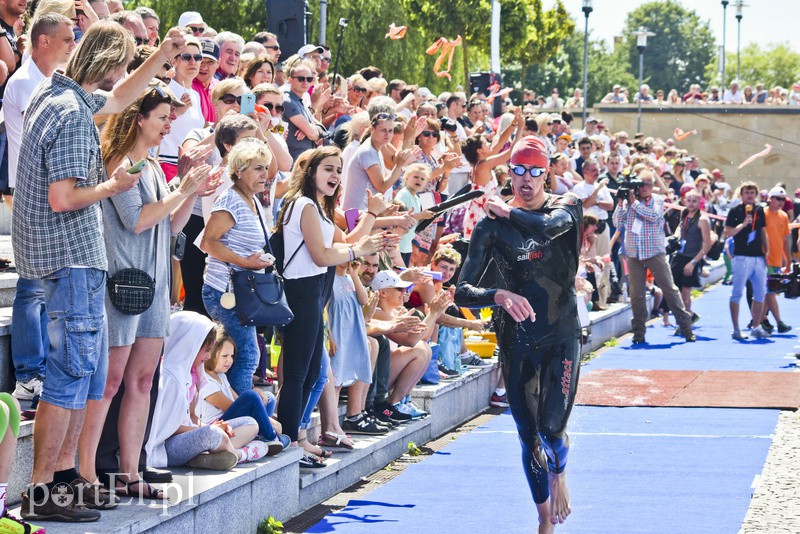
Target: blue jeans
[
  {"x": 29, "y": 320},
  {"x": 240, "y": 375},
  {"x": 316, "y": 390},
  {"x": 77, "y": 360},
  {"x": 250, "y": 404}
]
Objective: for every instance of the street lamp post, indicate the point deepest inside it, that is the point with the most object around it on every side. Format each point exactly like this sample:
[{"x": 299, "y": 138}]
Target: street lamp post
[
  {"x": 587, "y": 8},
  {"x": 724, "y": 35},
  {"x": 739, "y": 5},
  {"x": 641, "y": 43}
]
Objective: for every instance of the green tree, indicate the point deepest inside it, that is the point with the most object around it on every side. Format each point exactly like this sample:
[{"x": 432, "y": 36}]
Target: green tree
[
  {"x": 245, "y": 17},
  {"x": 775, "y": 64},
  {"x": 678, "y": 54}
]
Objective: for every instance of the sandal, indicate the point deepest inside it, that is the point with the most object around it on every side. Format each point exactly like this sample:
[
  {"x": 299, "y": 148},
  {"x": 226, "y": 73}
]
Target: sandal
[
  {"x": 329, "y": 439},
  {"x": 150, "y": 492},
  {"x": 322, "y": 452},
  {"x": 309, "y": 461}
]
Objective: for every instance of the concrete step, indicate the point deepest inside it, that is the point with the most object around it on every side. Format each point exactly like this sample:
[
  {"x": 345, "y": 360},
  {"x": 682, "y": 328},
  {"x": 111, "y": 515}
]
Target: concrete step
[{"x": 8, "y": 288}]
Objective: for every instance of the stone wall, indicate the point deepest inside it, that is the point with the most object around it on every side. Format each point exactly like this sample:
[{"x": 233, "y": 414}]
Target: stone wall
[{"x": 726, "y": 137}]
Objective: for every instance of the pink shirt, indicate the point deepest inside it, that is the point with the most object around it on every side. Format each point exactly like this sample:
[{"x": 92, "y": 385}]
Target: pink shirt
[{"x": 206, "y": 106}]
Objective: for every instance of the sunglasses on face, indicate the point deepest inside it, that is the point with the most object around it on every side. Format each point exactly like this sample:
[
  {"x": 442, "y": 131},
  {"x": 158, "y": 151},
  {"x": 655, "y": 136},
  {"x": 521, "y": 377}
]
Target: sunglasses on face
[
  {"x": 188, "y": 57},
  {"x": 277, "y": 107},
  {"x": 302, "y": 79},
  {"x": 426, "y": 133},
  {"x": 273, "y": 47},
  {"x": 325, "y": 59},
  {"x": 197, "y": 29},
  {"x": 230, "y": 99},
  {"x": 360, "y": 89},
  {"x": 519, "y": 170},
  {"x": 141, "y": 40}
]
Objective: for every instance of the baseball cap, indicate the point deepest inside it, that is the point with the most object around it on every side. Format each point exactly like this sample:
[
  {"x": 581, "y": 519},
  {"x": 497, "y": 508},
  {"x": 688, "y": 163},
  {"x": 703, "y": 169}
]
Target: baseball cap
[
  {"x": 387, "y": 279},
  {"x": 777, "y": 192},
  {"x": 209, "y": 48},
  {"x": 309, "y": 48},
  {"x": 190, "y": 17},
  {"x": 716, "y": 173},
  {"x": 530, "y": 151},
  {"x": 592, "y": 119},
  {"x": 556, "y": 117},
  {"x": 174, "y": 100},
  {"x": 425, "y": 93}
]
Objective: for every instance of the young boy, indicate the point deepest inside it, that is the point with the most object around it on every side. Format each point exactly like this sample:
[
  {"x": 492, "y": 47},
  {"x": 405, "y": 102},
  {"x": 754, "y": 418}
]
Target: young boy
[{"x": 414, "y": 181}]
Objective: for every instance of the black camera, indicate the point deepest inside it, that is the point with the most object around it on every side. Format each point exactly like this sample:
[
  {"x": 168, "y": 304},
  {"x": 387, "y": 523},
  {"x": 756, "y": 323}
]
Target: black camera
[
  {"x": 672, "y": 245},
  {"x": 787, "y": 283},
  {"x": 631, "y": 183},
  {"x": 448, "y": 124}
]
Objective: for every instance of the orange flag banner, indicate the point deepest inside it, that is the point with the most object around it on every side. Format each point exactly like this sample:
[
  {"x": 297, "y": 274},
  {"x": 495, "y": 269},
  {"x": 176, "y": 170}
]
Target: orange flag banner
[
  {"x": 446, "y": 48},
  {"x": 396, "y": 32}
]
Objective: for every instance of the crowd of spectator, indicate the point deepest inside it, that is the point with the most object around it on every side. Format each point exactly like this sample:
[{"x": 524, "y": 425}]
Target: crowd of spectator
[
  {"x": 149, "y": 162},
  {"x": 735, "y": 94}
]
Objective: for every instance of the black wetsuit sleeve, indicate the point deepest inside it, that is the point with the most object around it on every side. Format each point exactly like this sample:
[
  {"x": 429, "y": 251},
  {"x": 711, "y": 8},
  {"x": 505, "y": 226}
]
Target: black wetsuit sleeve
[
  {"x": 468, "y": 293},
  {"x": 547, "y": 225}
]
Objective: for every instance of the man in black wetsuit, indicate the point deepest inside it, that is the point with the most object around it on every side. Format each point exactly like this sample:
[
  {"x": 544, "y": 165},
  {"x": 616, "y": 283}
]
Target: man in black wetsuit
[{"x": 535, "y": 242}]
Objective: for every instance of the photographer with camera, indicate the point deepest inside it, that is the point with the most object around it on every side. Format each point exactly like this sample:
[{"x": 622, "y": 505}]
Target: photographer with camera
[
  {"x": 746, "y": 223},
  {"x": 641, "y": 214}
]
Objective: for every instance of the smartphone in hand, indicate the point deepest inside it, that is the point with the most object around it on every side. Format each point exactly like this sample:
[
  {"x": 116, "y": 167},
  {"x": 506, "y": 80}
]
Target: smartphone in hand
[
  {"x": 248, "y": 105},
  {"x": 137, "y": 167}
]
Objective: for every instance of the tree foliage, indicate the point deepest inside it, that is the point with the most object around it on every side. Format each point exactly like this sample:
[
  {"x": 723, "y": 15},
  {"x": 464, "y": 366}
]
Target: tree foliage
[
  {"x": 678, "y": 54},
  {"x": 775, "y": 64},
  {"x": 564, "y": 70},
  {"x": 245, "y": 17}
]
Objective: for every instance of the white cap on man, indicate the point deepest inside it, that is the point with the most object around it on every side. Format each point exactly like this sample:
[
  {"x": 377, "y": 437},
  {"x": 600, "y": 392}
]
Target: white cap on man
[
  {"x": 189, "y": 17},
  {"x": 308, "y": 49},
  {"x": 387, "y": 279},
  {"x": 778, "y": 192}
]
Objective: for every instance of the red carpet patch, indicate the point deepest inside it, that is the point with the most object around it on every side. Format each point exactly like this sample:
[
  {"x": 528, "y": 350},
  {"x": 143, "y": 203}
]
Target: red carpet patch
[{"x": 721, "y": 389}]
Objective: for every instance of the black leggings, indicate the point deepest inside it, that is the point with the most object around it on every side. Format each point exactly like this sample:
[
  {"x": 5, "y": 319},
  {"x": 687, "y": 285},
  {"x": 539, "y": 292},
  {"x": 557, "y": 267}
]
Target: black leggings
[
  {"x": 541, "y": 381},
  {"x": 302, "y": 349},
  {"x": 193, "y": 266}
]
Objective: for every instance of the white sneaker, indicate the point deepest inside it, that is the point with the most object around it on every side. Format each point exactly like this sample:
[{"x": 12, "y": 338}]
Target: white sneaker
[
  {"x": 255, "y": 450},
  {"x": 759, "y": 333},
  {"x": 28, "y": 390}
]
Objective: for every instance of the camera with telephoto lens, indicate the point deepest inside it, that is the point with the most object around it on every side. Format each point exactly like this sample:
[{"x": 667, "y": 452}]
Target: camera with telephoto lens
[
  {"x": 787, "y": 283},
  {"x": 448, "y": 124},
  {"x": 631, "y": 183},
  {"x": 672, "y": 245}
]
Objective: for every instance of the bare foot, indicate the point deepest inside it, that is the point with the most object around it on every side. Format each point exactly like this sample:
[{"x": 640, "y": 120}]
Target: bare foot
[
  {"x": 545, "y": 527},
  {"x": 559, "y": 498}
]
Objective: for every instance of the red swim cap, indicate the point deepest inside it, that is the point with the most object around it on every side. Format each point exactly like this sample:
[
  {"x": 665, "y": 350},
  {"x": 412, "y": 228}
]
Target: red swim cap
[{"x": 529, "y": 151}]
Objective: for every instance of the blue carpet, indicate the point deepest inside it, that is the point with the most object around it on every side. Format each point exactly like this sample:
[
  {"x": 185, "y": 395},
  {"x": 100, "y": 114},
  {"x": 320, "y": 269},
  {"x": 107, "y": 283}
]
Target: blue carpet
[
  {"x": 631, "y": 470},
  {"x": 714, "y": 349}
]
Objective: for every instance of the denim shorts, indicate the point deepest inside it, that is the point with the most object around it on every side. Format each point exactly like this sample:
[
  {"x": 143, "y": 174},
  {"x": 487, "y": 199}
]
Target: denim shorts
[
  {"x": 77, "y": 360},
  {"x": 753, "y": 268}
]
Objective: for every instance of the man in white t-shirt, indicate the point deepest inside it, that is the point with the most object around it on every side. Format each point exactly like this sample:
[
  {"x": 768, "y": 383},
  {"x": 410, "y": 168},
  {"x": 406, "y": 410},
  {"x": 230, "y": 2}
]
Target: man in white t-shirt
[
  {"x": 52, "y": 41},
  {"x": 459, "y": 177},
  {"x": 732, "y": 95},
  {"x": 597, "y": 201}
]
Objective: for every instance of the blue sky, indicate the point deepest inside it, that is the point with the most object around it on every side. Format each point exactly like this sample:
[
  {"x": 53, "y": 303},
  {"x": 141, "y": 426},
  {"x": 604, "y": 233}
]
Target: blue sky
[{"x": 763, "y": 21}]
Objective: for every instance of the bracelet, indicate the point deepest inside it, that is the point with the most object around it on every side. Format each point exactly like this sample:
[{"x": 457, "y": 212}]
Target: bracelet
[{"x": 373, "y": 214}]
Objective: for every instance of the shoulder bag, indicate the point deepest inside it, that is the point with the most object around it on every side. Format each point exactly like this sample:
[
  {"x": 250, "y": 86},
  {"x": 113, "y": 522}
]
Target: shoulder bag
[{"x": 260, "y": 299}]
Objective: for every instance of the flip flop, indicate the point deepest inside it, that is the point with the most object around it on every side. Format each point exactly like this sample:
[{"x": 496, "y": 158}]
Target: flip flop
[{"x": 309, "y": 461}]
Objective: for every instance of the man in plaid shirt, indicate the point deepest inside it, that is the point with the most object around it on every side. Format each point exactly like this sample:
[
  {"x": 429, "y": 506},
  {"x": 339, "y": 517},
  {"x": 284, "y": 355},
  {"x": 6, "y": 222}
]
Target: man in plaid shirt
[
  {"x": 57, "y": 234},
  {"x": 642, "y": 218}
]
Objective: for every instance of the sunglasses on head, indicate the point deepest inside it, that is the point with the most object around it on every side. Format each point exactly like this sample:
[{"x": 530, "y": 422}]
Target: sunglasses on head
[
  {"x": 382, "y": 117},
  {"x": 427, "y": 133},
  {"x": 230, "y": 99},
  {"x": 301, "y": 79},
  {"x": 197, "y": 29},
  {"x": 141, "y": 40},
  {"x": 519, "y": 170},
  {"x": 360, "y": 89},
  {"x": 277, "y": 107},
  {"x": 188, "y": 57}
]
